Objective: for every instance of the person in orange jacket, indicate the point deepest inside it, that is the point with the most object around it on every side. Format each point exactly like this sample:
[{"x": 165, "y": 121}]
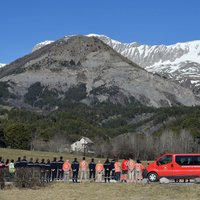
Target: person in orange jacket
[
  {"x": 124, "y": 170},
  {"x": 99, "y": 171},
  {"x": 131, "y": 165},
  {"x": 66, "y": 169},
  {"x": 84, "y": 167},
  {"x": 117, "y": 167},
  {"x": 138, "y": 171}
]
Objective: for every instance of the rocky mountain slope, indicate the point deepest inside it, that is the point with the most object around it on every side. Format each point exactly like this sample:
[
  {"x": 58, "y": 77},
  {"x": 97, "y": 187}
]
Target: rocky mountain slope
[
  {"x": 85, "y": 69},
  {"x": 179, "y": 62}
]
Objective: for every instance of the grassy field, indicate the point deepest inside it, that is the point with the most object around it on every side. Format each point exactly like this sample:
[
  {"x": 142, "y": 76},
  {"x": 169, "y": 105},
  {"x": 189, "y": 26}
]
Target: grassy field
[
  {"x": 111, "y": 191},
  {"x": 15, "y": 153},
  {"x": 94, "y": 191}
]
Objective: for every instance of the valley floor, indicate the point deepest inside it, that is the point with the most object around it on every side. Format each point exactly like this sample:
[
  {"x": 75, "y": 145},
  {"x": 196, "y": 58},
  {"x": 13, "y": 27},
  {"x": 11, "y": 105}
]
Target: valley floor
[{"x": 95, "y": 191}]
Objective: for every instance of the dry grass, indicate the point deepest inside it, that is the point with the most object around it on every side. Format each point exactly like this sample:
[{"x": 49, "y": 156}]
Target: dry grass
[
  {"x": 95, "y": 191},
  {"x": 15, "y": 153}
]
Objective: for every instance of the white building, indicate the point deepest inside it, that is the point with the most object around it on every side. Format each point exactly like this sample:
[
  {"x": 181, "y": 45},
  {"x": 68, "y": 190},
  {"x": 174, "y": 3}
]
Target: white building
[{"x": 83, "y": 145}]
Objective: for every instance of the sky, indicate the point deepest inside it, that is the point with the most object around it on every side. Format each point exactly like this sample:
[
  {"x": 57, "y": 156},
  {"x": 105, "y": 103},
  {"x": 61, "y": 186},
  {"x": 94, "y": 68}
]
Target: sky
[{"x": 24, "y": 23}]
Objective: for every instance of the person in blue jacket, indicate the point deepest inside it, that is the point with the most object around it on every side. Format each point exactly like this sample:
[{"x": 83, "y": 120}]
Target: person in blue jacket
[
  {"x": 60, "y": 170},
  {"x": 54, "y": 167},
  {"x": 75, "y": 169}
]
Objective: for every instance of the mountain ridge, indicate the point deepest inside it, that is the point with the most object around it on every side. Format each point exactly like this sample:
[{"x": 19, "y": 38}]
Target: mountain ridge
[
  {"x": 92, "y": 69},
  {"x": 179, "y": 62}
]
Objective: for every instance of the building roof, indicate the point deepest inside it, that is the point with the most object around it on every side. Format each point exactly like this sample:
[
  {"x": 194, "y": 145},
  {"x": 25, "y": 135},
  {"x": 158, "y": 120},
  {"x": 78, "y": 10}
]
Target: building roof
[{"x": 87, "y": 140}]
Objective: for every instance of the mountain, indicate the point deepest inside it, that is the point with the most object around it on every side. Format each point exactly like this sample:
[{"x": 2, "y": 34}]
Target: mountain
[
  {"x": 85, "y": 69},
  {"x": 179, "y": 62}
]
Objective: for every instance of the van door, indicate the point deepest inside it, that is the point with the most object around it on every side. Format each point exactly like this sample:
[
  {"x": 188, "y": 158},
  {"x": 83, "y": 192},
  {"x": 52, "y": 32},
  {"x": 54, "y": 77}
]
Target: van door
[{"x": 165, "y": 166}]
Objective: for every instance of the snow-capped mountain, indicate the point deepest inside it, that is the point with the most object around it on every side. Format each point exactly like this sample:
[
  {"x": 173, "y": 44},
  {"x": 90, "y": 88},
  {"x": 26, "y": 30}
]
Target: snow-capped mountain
[
  {"x": 179, "y": 62},
  {"x": 85, "y": 69},
  {"x": 2, "y": 65}
]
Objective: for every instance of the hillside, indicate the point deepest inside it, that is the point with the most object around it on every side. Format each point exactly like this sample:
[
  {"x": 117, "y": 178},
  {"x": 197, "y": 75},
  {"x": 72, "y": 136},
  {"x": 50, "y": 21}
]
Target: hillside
[
  {"x": 84, "y": 69},
  {"x": 144, "y": 130},
  {"x": 177, "y": 62}
]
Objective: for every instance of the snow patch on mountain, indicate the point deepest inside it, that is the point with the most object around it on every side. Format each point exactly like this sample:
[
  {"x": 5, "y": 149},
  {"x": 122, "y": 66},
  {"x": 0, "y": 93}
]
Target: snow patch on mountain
[
  {"x": 41, "y": 44},
  {"x": 2, "y": 65}
]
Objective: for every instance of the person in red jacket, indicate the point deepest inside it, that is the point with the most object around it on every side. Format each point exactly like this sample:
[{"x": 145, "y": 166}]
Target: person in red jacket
[
  {"x": 66, "y": 169},
  {"x": 138, "y": 171},
  {"x": 124, "y": 170}
]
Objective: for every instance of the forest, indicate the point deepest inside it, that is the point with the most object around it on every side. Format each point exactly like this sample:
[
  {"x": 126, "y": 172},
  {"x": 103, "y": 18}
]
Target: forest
[{"x": 117, "y": 130}]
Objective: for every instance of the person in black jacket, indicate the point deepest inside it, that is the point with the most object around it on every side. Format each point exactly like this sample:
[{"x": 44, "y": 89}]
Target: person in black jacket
[
  {"x": 18, "y": 163},
  {"x": 75, "y": 169},
  {"x": 30, "y": 166},
  {"x": 48, "y": 171},
  {"x": 54, "y": 168},
  {"x": 107, "y": 169},
  {"x": 60, "y": 170},
  {"x": 37, "y": 164},
  {"x": 42, "y": 170},
  {"x": 24, "y": 162},
  {"x": 92, "y": 170},
  {"x": 112, "y": 167},
  {"x": 30, "y": 163}
]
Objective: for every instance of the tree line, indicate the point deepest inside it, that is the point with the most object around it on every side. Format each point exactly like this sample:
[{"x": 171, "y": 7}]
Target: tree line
[{"x": 115, "y": 129}]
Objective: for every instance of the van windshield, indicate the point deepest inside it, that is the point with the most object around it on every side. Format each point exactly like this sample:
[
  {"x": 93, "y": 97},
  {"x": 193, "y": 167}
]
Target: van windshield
[{"x": 164, "y": 160}]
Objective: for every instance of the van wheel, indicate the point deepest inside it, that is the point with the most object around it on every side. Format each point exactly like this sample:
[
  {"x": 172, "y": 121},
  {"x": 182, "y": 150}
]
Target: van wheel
[{"x": 152, "y": 176}]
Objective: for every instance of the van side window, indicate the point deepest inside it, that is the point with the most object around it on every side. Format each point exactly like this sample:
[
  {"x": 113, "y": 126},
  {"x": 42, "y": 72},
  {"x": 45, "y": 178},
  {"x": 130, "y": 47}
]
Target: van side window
[
  {"x": 164, "y": 160},
  {"x": 188, "y": 160}
]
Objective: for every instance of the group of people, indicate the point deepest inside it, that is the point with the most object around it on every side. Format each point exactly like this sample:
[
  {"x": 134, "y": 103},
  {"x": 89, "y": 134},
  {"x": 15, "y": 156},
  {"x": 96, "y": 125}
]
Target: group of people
[{"x": 125, "y": 171}]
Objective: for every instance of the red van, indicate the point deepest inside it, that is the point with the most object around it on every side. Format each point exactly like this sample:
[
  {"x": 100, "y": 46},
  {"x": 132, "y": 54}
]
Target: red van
[{"x": 174, "y": 166}]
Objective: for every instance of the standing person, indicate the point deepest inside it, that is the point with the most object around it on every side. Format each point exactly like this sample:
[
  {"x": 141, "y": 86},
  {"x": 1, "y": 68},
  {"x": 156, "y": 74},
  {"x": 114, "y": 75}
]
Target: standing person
[
  {"x": 117, "y": 170},
  {"x": 18, "y": 163},
  {"x": 7, "y": 163},
  {"x": 37, "y": 164},
  {"x": 24, "y": 162},
  {"x": 131, "y": 165},
  {"x": 75, "y": 169},
  {"x": 54, "y": 169},
  {"x": 11, "y": 168},
  {"x": 112, "y": 166},
  {"x": 124, "y": 170},
  {"x": 30, "y": 166},
  {"x": 99, "y": 170},
  {"x": 18, "y": 167},
  {"x": 138, "y": 171},
  {"x": 107, "y": 170},
  {"x": 1, "y": 163},
  {"x": 66, "y": 169},
  {"x": 42, "y": 170},
  {"x": 60, "y": 170},
  {"x": 30, "y": 163},
  {"x": 84, "y": 167},
  {"x": 48, "y": 171},
  {"x": 92, "y": 170},
  {"x": 36, "y": 169}
]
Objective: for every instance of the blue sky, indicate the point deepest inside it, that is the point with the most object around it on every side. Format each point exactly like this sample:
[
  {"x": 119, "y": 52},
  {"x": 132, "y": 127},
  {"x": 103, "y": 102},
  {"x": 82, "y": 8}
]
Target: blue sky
[{"x": 23, "y": 23}]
